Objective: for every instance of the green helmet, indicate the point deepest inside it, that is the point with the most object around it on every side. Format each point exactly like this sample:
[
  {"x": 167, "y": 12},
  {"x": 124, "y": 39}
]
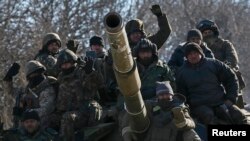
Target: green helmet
[
  {"x": 65, "y": 56},
  {"x": 49, "y": 37},
  {"x": 33, "y": 66}
]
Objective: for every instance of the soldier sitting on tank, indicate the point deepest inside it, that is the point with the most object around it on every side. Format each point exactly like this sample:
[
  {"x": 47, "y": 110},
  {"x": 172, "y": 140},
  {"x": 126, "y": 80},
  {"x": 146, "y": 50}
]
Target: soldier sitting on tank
[
  {"x": 135, "y": 29},
  {"x": 38, "y": 95},
  {"x": 30, "y": 130},
  {"x": 178, "y": 57},
  {"x": 78, "y": 85},
  {"x": 169, "y": 119},
  {"x": 211, "y": 88},
  {"x": 151, "y": 68},
  {"x": 49, "y": 52}
]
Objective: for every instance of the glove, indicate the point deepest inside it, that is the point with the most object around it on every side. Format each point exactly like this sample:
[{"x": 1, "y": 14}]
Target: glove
[
  {"x": 89, "y": 62},
  {"x": 14, "y": 69},
  {"x": 17, "y": 111},
  {"x": 72, "y": 45},
  {"x": 179, "y": 117},
  {"x": 156, "y": 10}
]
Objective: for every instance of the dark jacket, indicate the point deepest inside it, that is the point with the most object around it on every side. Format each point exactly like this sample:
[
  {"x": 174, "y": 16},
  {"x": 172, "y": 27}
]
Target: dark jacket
[
  {"x": 158, "y": 38},
  {"x": 178, "y": 57},
  {"x": 208, "y": 83}
]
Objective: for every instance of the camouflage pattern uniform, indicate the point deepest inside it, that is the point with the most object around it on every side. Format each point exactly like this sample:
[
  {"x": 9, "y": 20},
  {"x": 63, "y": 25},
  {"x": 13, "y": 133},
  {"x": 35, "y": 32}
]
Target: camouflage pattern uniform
[
  {"x": 223, "y": 49},
  {"x": 41, "y": 98},
  {"x": 76, "y": 107},
  {"x": 46, "y": 58}
]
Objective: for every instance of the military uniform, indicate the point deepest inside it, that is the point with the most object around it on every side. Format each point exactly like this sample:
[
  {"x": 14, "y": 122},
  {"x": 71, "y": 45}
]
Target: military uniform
[
  {"x": 76, "y": 107},
  {"x": 41, "y": 97},
  {"x": 49, "y": 59}
]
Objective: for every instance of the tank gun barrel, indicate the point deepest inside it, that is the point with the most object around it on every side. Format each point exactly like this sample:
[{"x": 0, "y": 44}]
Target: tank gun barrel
[{"x": 126, "y": 72}]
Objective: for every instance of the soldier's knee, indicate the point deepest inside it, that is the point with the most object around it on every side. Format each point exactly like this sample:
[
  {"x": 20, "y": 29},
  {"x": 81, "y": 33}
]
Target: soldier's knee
[{"x": 205, "y": 114}]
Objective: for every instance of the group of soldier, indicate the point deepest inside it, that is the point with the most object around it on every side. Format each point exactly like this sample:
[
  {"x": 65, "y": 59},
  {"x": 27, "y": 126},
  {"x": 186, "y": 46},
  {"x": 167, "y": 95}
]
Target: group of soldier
[{"x": 67, "y": 92}]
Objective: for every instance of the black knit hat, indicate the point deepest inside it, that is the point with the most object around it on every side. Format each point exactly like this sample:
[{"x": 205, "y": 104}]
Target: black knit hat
[
  {"x": 30, "y": 114},
  {"x": 193, "y": 47},
  {"x": 194, "y": 33},
  {"x": 96, "y": 40}
]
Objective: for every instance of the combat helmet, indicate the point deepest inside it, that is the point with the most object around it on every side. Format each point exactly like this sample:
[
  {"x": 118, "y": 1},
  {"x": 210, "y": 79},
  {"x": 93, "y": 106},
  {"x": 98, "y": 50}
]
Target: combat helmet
[
  {"x": 34, "y": 66},
  {"x": 208, "y": 24},
  {"x": 145, "y": 44},
  {"x": 51, "y": 37},
  {"x": 66, "y": 56}
]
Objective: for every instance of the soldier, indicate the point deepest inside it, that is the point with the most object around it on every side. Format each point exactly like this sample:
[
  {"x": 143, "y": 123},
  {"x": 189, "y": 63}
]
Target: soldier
[
  {"x": 135, "y": 29},
  {"x": 169, "y": 119},
  {"x": 30, "y": 130},
  {"x": 97, "y": 44},
  {"x": 210, "y": 86},
  {"x": 223, "y": 50},
  {"x": 38, "y": 95},
  {"x": 178, "y": 57},
  {"x": 150, "y": 68},
  {"x": 78, "y": 85},
  {"x": 48, "y": 54}
]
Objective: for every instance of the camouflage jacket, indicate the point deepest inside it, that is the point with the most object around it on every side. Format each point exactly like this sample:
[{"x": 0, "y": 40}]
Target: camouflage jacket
[
  {"x": 49, "y": 61},
  {"x": 76, "y": 88},
  {"x": 224, "y": 51},
  {"x": 157, "y": 71},
  {"x": 21, "y": 135},
  {"x": 40, "y": 98}
]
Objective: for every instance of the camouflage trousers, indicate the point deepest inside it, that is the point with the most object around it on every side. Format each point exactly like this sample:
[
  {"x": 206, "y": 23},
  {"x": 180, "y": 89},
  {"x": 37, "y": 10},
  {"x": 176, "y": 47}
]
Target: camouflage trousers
[{"x": 69, "y": 122}]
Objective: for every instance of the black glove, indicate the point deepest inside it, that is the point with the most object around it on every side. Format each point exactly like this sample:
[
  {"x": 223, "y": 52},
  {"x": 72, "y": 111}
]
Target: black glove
[
  {"x": 14, "y": 69},
  {"x": 89, "y": 62},
  {"x": 72, "y": 45},
  {"x": 17, "y": 111},
  {"x": 156, "y": 10}
]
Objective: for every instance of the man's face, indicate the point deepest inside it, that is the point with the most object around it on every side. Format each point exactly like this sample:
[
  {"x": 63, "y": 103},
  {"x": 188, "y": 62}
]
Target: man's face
[
  {"x": 165, "y": 100},
  {"x": 96, "y": 48},
  {"x": 31, "y": 125},
  {"x": 66, "y": 66},
  {"x": 194, "y": 57},
  {"x": 165, "y": 96},
  {"x": 207, "y": 33},
  {"x": 196, "y": 40},
  {"x": 135, "y": 37},
  {"x": 145, "y": 54},
  {"x": 53, "y": 47}
]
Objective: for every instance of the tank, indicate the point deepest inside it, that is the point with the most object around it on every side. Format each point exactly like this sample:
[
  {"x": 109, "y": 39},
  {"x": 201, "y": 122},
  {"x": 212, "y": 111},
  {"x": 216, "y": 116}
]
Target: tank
[{"x": 126, "y": 72}]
